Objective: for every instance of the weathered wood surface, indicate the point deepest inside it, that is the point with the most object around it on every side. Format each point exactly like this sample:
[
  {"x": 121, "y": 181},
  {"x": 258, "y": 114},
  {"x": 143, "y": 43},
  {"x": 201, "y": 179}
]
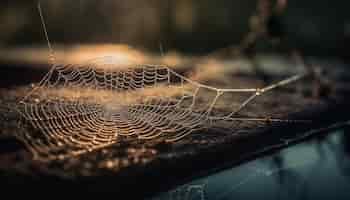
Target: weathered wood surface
[{"x": 137, "y": 168}]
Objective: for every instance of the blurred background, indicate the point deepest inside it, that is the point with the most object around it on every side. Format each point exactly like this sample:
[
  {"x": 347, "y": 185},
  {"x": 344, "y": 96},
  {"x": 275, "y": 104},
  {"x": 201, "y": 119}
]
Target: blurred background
[
  {"x": 316, "y": 27},
  {"x": 200, "y": 39}
]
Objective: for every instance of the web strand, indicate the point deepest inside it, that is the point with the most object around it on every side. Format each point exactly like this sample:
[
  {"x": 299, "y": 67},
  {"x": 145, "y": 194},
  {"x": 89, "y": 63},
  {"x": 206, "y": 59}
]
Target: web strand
[{"x": 52, "y": 55}]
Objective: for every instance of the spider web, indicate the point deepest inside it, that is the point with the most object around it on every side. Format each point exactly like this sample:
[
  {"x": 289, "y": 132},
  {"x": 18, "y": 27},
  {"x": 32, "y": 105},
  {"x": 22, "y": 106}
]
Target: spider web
[
  {"x": 83, "y": 107},
  {"x": 78, "y": 108}
]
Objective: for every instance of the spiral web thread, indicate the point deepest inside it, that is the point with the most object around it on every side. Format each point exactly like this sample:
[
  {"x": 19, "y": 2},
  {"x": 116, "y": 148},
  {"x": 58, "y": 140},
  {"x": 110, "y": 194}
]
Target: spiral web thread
[{"x": 80, "y": 108}]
